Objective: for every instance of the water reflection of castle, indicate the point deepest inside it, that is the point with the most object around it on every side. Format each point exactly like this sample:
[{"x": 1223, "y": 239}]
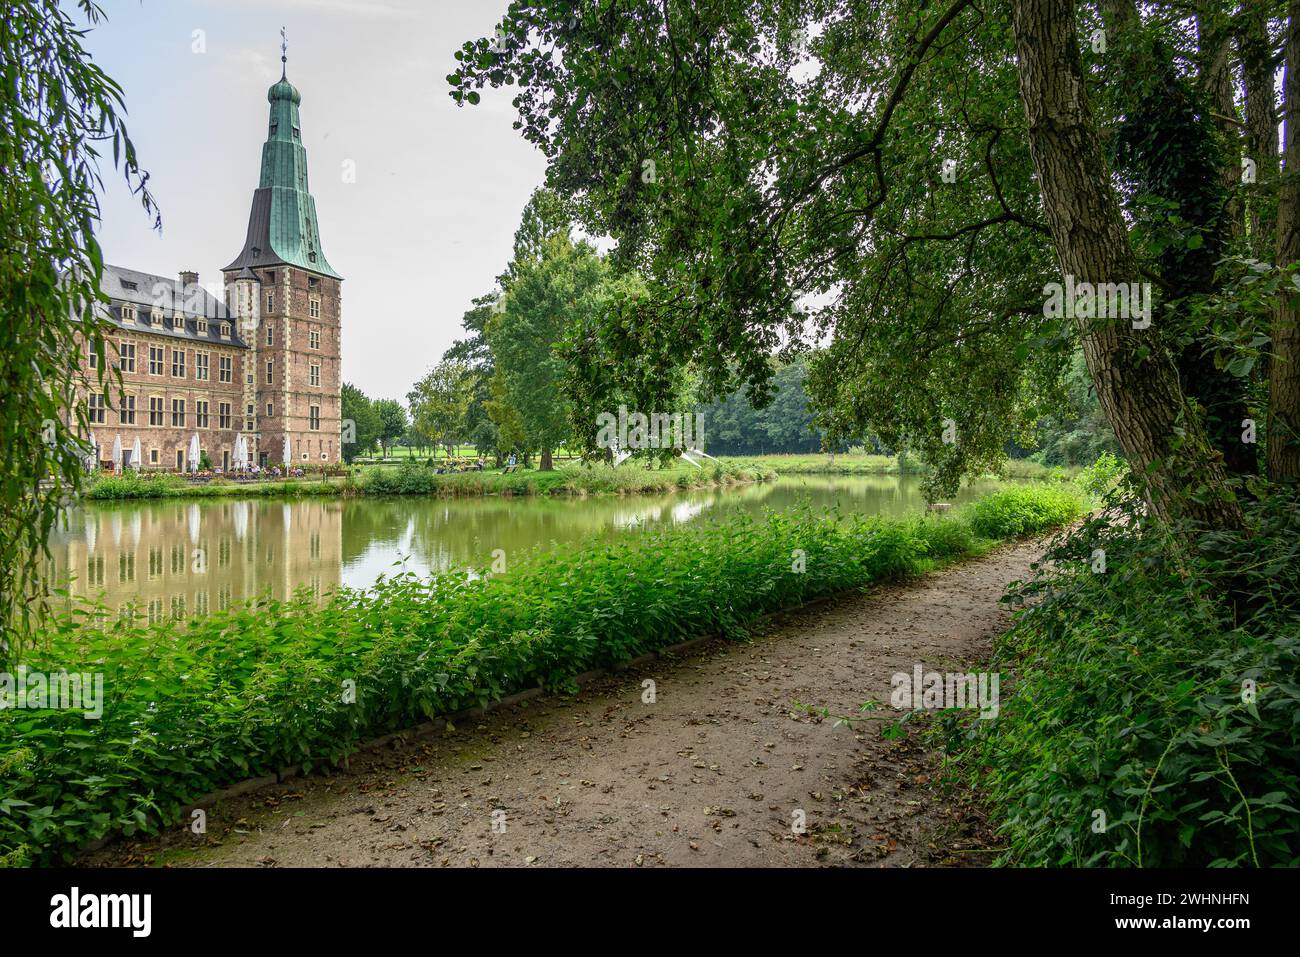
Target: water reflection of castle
[{"x": 182, "y": 559}]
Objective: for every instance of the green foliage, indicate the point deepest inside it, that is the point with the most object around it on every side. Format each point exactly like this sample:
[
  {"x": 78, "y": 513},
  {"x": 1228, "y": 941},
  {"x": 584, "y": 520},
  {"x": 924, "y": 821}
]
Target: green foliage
[
  {"x": 1076, "y": 431},
  {"x": 629, "y": 478},
  {"x": 191, "y": 707},
  {"x": 146, "y": 485},
  {"x": 1100, "y": 478},
  {"x": 733, "y": 426},
  {"x": 741, "y": 190},
  {"x": 59, "y": 115},
  {"x": 441, "y": 401},
  {"x": 1014, "y": 512},
  {"x": 393, "y": 421},
  {"x": 1129, "y": 699},
  {"x": 358, "y": 407},
  {"x": 548, "y": 295}
]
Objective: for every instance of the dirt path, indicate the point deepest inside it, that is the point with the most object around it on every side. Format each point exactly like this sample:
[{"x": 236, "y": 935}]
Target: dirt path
[{"x": 709, "y": 774}]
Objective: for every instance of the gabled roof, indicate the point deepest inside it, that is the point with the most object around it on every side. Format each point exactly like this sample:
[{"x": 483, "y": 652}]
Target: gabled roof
[{"x": 147, "y": 291}]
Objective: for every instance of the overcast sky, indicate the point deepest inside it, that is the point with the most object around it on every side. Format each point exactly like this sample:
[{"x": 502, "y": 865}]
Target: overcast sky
[{"x": 429, "y": 222}]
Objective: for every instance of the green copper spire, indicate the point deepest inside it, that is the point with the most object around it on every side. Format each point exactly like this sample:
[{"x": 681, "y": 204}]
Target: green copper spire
[{"x": 282, "y": 224}]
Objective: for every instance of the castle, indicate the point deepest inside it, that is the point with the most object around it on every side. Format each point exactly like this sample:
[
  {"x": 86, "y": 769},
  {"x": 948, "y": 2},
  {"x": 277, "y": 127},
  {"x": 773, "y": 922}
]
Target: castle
[{"x": 263, "y": 366}]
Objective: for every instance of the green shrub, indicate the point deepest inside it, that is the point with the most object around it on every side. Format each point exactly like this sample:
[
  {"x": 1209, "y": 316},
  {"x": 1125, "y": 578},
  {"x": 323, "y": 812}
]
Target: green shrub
[
  {"x": 1019, "y": 511},
  {"x": 1131, "y": 699},
  {"x": 194, "y": 706}
]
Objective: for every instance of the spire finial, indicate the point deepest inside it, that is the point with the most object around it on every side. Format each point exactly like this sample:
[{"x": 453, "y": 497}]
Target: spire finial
[{"x": 284, "y": 50}]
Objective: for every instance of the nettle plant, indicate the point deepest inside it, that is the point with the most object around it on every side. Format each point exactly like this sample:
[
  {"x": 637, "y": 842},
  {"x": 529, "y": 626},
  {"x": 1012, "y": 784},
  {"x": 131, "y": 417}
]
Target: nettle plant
[{"x": 1146, "y": 693}]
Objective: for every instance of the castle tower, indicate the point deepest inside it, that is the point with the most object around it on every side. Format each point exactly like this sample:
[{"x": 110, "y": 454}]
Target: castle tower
[{"x": 288, "y": 302}]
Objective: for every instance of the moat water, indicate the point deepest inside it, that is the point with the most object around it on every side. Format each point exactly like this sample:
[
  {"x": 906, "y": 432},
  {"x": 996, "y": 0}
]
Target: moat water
[{"x": 177, "y": 558}]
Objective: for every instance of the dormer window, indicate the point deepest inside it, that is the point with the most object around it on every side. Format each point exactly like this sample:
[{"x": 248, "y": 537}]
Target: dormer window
[
  {"x": 201, "y": 326},
  {"x": 178, "y": 322},
  {"x": 274, "y": 127},
  {"x": 128, "y": 312},
  {"x": 225, "y": 330},
  {"x": 127, "y": 284},
  {"x": 156, "y": 317},
  {"x": 297, "y": 135}
]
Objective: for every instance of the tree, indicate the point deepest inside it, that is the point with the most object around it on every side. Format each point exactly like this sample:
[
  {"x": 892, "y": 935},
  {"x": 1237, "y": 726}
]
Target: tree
[
  {"x": 733, "y": 426},
  {"x": 1284, "y": 370},
  {"x": 899, "y": 191},
  {"x": 365, "y": 422},
  {"x": 546, "y": 297},
  {"x": 392, "y": 422},
  {"x": 440, "y": 403},
  {"x": 58, "y": 111},
  {"x": 473, "y": 352},
  {"x": 1137, "y": 383}
]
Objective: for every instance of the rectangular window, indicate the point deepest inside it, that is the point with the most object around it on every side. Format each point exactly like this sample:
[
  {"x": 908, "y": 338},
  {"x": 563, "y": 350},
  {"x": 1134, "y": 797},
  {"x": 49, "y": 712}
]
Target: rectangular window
[
  {"x": 223, "y": 415},
  {"x": 155, "y": 360},
  {"x": 180, "y": 460},
  {"x": 201, "y": 413},
  {"x": 270, "y": 371},
  {"x": 225, "y": 365},
  {"x": 313, "y": 307},
  {"x": 126, "y": 356},
  {"x": 155, "y": 414},
  {"x": 178, "y": 363},
  {"x": 270, "y": 334},
  {"x": 314, "y": 375},
  {"x": 178, "y": 413},
  {"x": 270, "y": 301},
  {"x": 153, "y": 456},
  {"x": 94, "y": 358},
  {"x": 201, "y": 366},
  {"x": 95, "y": 407},
  {"x": 270, "y": 409},
  {"x": 126, "y": 414},
  {"x": 313, "y": 339},
  {"x": 313, "y": 417},
  {"x": 249, "y": 416}
]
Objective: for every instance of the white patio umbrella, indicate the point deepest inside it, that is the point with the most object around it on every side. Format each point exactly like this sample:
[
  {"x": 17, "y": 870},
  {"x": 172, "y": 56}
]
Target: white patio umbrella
[
  {"x": 117, "y": 452},
  {"x": 94, "y": 451},
  {"x": 288, "y": 453},
  {"x": 194, "y": 453},
  {"x": 135, "y": 454},
  {"x": 240, "y": 516},
  {"x": 241, "y": 452}
]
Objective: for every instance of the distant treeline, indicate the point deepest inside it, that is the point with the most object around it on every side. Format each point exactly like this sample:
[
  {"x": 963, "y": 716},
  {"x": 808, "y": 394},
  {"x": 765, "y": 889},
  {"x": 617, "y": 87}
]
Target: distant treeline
[{"x": 1075, "y": 435}]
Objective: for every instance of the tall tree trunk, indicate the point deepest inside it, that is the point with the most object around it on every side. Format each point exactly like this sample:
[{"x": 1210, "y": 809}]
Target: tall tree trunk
[
  {"x": 1170, "y": 152},
  {"x": 1284, "y": 370},
  {"x": 1219, "y": 89},
  {"x": 547, "y": 465},
  {"x": 1261, "y": 129},
  {"x": 1136, "y": 381}
]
